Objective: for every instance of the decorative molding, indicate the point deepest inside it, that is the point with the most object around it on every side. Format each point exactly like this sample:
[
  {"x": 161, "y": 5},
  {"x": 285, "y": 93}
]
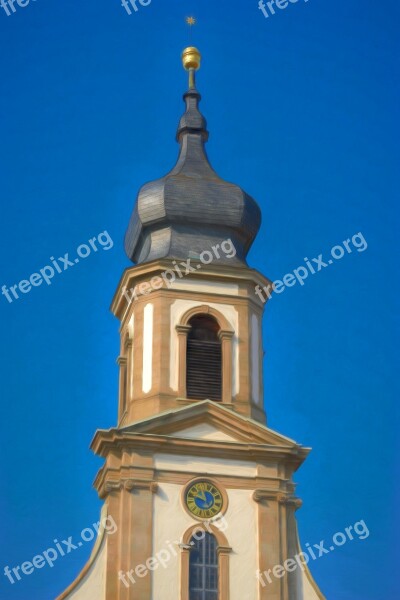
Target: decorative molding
[
  {"x": 112, "y": 486},
  {"x": 248, "y": 278},
  {"x": 296, "y": 502},
  {"x": 122, "y": 361},
  {"x": 183, "y": 329},
  {"x": 185, "y": 401},
  {"x": 115, "y": 485},
  {"x": 111, "y": 441},
  {"x": 140, "y": 484},
  {"x": 128, "y": 342},
  {"x": 225, "y": 334},
  {"x": 224, "y": 550},
  {"x": 290, "y": 501},
  {"x": 207, "y": 310},
  {"x": 260, "y": 495}
]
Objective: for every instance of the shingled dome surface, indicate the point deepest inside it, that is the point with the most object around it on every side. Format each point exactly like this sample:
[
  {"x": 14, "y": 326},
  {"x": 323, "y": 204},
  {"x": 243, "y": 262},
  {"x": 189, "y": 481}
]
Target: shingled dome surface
[{"x": 191, "y": 209}]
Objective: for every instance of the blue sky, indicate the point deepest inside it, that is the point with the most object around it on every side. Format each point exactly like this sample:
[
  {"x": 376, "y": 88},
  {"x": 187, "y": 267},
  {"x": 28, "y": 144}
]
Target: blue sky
[{"x": 302, "y": 112}]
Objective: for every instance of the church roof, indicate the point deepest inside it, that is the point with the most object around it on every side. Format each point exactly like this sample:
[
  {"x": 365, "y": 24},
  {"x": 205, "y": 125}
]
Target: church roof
[{"x": 191, "y": 209}]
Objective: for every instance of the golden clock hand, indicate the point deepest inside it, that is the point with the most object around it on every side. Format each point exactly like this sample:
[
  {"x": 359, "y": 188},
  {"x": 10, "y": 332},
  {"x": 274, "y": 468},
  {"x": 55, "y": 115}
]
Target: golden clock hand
[{"x": 202, "y": 496}]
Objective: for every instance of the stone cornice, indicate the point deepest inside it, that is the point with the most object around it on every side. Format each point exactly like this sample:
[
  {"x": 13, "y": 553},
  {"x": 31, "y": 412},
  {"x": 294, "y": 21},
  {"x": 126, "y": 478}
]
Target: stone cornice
[
  {"x": 240, "y": 481},
  {"x": 218, "y": 271},
  {"x": 106, "y": 442}
]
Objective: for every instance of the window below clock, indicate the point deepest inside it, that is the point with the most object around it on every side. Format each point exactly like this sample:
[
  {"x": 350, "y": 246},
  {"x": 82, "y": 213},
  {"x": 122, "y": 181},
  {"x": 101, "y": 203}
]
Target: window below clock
[{"x": 203, "y": 568}]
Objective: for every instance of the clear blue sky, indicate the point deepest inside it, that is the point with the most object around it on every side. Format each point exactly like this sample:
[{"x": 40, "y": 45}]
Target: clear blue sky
[{"x": 302, "y": 112}]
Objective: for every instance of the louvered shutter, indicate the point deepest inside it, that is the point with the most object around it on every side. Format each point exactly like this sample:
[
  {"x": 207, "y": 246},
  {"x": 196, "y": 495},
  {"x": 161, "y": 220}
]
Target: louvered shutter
[{"x": 204, "y": 360}]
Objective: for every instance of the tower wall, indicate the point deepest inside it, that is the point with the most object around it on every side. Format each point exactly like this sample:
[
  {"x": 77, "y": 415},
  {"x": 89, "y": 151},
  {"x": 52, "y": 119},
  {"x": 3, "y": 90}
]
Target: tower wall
[{"x": 154, "y": 328}]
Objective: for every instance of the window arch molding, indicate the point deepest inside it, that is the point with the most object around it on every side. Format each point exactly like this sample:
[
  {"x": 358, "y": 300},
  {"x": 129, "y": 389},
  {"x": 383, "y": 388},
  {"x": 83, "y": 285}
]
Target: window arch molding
[
  {"x": 223, "y": 551},
  {"x": 225, "y": 334}
]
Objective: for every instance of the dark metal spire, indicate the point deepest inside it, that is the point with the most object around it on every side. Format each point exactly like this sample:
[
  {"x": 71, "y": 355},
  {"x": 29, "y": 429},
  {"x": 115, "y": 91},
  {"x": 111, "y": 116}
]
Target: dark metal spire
[
  {"x": 191, "y": 209},
  {"x": 192, "y": 121}
]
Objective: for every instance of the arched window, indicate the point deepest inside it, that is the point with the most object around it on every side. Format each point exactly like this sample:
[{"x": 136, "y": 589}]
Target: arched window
[
  {"x": 203, "y": 567},
  {"x": 204, "y": 359}
]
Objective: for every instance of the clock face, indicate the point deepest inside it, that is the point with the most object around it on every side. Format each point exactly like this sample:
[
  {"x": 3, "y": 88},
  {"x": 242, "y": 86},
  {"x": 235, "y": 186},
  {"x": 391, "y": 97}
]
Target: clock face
[{"x": 203, "y": 499}]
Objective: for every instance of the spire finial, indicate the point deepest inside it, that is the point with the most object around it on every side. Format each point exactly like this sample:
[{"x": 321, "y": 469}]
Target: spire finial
[
  {"x": 191, "y": 59},
  {"x": 192, "y": 121}
]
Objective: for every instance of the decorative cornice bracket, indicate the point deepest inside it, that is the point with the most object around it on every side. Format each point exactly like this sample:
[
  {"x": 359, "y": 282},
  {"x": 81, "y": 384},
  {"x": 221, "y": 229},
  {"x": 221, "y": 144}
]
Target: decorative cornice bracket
[
  {"x": 261, "y": 495},
  {"x": 141, "y": 484}
]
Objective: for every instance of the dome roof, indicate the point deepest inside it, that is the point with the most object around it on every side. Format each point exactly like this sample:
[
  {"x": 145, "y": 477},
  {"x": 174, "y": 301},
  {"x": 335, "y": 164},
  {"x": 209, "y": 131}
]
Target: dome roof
[{"x": 191, "y": 209}]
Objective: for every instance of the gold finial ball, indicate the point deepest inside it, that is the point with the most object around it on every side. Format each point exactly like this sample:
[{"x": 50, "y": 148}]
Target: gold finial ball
[{"x": 191, "y": 58}]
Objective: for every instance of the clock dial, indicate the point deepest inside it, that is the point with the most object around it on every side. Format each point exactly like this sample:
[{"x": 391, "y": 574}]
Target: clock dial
[{"x": 204, "y": 499}]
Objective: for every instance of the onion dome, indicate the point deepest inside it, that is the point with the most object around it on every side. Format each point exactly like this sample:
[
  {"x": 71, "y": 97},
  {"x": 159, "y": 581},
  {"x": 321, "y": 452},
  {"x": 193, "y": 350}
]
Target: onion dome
[{"x": 191, "y": 209}]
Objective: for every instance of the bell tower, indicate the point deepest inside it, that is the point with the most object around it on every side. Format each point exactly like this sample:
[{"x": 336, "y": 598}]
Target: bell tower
[
  {"x": 189, "y": 234},
  {"x": 200, "y": 490}
]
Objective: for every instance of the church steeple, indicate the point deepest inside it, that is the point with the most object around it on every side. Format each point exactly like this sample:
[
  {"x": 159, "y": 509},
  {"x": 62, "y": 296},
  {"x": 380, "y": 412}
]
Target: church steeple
[
  {"x": 191, "y": 208},
  {"x": 191, "y": 451}
]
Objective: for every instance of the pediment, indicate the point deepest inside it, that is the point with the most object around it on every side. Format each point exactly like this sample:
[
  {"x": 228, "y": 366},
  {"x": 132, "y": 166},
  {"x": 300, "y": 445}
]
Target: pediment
[
  {"x": 208, "y": 421},
  {"x": 205, "y": 431}
]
